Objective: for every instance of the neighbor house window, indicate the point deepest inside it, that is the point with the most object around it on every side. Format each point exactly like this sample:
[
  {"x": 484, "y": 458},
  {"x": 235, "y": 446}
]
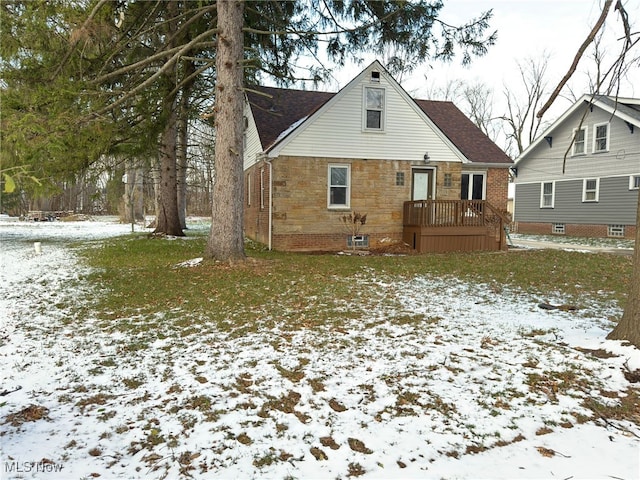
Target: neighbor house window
[
  {"x": 558, "y": 229},
  {"x": 590, "y": 189},
  {"x": 374, "y": 108},
  {"x": 601, "y": 138},
  {"x": 547, "y": 194},
  {"x": 339, "y": 186},
  {"x": 634, "y": 182},
  {"x": 615, "y": 230},
  {"x": 579, "y": 141},
  {"x": 400, "y": 179}
]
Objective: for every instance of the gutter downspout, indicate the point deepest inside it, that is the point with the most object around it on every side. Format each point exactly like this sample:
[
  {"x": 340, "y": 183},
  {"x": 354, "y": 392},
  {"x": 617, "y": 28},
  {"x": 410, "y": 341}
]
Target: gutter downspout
[
  {"x": 265, "y": 159},
  {"x": 270, "y": 202}
]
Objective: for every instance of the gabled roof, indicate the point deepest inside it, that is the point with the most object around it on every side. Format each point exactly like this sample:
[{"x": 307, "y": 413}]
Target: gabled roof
[
  {"x": 463, "y": 133},
  {"x": 278, "y": 112},
  {"x": 627, "y": 109}
]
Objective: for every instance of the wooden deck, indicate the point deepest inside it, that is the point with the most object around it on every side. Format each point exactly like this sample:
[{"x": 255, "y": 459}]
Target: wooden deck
[{"x": 439, "y": 226}]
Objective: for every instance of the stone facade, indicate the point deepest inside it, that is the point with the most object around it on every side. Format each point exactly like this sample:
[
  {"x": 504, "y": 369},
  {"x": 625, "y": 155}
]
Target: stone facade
[{"x": 302, "y": 220}]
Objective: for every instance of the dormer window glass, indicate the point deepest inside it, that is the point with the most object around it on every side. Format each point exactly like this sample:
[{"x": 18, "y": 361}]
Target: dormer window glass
[
  {"x": 601, "y": 138},
  {"x": 374, "y": 108},
  {"x": 579, "y": 141}
]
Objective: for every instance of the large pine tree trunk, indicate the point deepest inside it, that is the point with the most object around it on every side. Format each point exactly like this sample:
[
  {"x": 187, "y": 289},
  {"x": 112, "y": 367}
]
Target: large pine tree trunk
[
  {"x": 629, "y": 326},
  {"x": 168, "y": 219},
  {"x": 182, "y": 169},
  {"x": 226, "y": 241}
]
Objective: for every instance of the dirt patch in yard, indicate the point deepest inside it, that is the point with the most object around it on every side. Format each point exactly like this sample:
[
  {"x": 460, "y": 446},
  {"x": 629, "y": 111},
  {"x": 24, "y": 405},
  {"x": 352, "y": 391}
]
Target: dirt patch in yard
[{"x": 31, "y": 413}]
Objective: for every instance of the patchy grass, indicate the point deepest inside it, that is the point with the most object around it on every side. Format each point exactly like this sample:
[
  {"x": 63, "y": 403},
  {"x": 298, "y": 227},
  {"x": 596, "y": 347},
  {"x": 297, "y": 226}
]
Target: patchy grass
[
  {"x": 291, "y": 358},
  {"x": 140, "y": 277}
]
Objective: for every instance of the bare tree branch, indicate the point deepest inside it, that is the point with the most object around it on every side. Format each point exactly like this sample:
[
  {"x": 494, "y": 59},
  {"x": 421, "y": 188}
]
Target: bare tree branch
[{"x": 576, "y": 60}]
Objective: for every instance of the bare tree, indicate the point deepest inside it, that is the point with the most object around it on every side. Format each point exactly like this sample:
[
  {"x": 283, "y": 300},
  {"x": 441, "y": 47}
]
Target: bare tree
[
  {"x": 475, "y": 100},
  {"x": 522, "y": 124},
  {"x": 628, "y": 328},
  {"x": 478, "y": 106}
]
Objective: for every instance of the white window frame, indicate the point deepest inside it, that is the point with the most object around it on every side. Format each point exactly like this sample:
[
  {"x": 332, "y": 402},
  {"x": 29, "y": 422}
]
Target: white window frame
[
  {"x": 471, "y": 175},
  {"x": 542, "y": 195},
  {"x": 634, "y": 182},
  {"x": 615, "y": 231},
  {"x": 366, "y": 108},
  {"x": 595, "y": 138},
  {"x": 575, "y": 143},
  {"x": 330, "y": 186},
  {"x": 595, "y": 190}
]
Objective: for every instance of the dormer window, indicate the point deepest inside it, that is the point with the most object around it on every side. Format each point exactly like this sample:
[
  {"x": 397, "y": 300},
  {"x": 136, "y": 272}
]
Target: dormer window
[
  {"x": 374, "y": 108},
  {"x": 579, "y": 141},
  {"x": 601, "y": 138}
]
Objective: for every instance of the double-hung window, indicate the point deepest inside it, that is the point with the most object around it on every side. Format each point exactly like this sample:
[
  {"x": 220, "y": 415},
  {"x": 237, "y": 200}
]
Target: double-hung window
[
  {"x": 547, "y": 194},
  {"x": 601, "y": 138},
  {"x": 374, "y": 108},
  {"x": 634, "y": 182},
  {"x": 339, "y": 191},
  {"x": 580, "y": 141},
  {"x": 590, "y": 189}
]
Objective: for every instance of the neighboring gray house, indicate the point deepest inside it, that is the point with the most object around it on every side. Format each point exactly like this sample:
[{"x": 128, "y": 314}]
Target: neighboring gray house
[{"x": 581, "y": 176}]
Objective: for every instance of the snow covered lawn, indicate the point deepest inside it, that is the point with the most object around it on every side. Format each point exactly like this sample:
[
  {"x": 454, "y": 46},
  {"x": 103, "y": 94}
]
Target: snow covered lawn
[{"x": 439, "y": 379}]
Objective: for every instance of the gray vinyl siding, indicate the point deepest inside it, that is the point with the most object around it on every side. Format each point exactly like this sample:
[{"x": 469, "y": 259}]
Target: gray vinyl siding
[
  {"x": 616, "y": 205},
  {"x": 547, "y": 163}
]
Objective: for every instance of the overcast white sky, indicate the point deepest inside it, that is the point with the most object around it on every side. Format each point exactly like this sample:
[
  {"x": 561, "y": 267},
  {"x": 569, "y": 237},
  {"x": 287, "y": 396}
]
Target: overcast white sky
[{"x": 526, "y": 29}]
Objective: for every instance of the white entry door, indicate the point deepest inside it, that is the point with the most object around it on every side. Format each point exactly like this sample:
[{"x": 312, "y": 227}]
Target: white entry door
[{"x": 422, "y": 184}]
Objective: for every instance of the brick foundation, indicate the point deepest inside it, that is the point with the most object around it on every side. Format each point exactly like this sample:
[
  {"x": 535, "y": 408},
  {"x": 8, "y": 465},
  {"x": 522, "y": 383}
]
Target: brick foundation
[
  {"x": 315, "y": 242},
  {"x": 571, "y": 229}
]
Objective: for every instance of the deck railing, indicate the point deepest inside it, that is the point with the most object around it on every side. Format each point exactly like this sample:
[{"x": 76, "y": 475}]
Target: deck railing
[{"x": 451, "y": 213}]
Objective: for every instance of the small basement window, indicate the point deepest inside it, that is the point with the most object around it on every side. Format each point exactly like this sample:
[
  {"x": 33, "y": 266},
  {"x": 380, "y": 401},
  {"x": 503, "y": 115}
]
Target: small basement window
[
  {"x": 615, "y": 230},
  {"x": 558, "y": 229},
  {"x": 361, "y": 241}
]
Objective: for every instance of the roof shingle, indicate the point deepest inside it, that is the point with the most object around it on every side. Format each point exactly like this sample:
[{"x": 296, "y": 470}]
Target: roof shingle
[{"x": 276, "y": 110}]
